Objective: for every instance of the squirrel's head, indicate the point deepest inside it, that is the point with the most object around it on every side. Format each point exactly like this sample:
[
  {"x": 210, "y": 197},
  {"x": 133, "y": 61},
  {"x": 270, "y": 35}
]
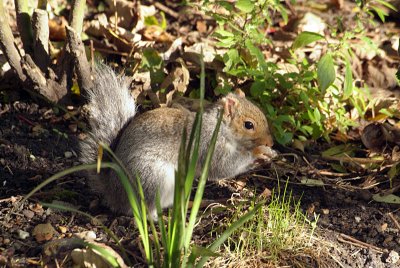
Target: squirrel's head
[{"x": 246, "y": 121}]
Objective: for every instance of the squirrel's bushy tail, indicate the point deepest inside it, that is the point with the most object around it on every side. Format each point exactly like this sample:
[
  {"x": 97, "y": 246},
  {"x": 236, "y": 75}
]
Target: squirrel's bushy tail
[{"x": 110, "y": 107}]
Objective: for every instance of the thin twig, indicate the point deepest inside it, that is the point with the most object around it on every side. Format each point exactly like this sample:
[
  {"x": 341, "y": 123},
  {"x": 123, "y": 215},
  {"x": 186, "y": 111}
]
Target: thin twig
[
  {"x": 329, "y": 173},
  {"x": 355, "y": 242},
  {"x": 357, "y": 160},
  {"x": 391, "y": 216},
  {"x": 165, "y": 9}
]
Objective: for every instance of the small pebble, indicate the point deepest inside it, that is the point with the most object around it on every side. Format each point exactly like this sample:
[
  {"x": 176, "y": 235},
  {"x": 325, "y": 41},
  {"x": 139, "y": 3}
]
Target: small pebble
[
  {"x": 393, "y": 257},
  {"x": 28, "y": 213},
  {"x": 384, "y": 226},
  {"x": 48, "y": 211},
  {"x": 22, "y": 234},
  {"x": 73, "y": 127},
  {"x": 388, "y": 239},
  {"x": 87, "y": 235},
  {"x": 3, "y": 260},
  {"x": 68, "y": 154},
  {"x": 62, "y": 229},
  {"x": 325, "y": 211}
]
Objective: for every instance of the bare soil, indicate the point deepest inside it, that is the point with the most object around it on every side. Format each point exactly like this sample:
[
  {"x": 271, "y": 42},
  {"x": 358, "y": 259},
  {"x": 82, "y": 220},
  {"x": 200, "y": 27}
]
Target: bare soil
[{"x": 29, "y": 154}]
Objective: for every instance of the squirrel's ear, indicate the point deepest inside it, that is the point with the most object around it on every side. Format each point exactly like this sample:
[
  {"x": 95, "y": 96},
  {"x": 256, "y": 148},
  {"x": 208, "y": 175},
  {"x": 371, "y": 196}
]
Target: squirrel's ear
[
  {"x": 240, "y": 93},
  {"x": 229, "y": 103}
]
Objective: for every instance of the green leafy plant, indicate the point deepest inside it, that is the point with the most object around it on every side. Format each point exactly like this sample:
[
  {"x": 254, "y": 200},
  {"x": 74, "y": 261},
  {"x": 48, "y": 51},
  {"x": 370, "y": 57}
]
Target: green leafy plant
[
  {"x": 309, "y": 99},
  {"x": 152, "y": 20},
  {"x": 154, "y": 64},
  {"x": 367, "y": 8}
]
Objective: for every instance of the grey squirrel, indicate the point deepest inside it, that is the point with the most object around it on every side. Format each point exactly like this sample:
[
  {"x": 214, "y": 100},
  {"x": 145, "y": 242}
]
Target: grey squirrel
[{"x": 149, "y": 143}]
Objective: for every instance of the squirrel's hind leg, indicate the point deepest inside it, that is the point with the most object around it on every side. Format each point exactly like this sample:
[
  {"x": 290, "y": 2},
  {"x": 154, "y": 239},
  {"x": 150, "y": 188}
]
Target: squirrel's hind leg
[{"x": 164, "y": 178}]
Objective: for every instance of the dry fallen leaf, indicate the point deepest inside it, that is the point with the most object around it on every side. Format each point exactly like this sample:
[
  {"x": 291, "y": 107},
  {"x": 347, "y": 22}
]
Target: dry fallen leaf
[
  {"x": 299, "y": 145},
  {"x": 157, "y": 34},
  {"x": 311, "y": 209},
  {"x": 201, "y": 26},
  {"x": 90, "y": 257},
  {"x": 127, "y": 13},
  {"x": 240, "y": 184},
  {"x": 57, "y": 29},
  {"x": 38, "y": 130},
  {"x": 338, "y": 3},
  {"x": 376, "y": 135},
  {"x": 373, "y": 136},
  {"x": 266, "y": 193},
  {"x": 178, "y": 78},
  {"x": 43, "y": 232},
  {"x": 63, "y": 229},
  {"x": 311, "y": 23},
  {"x": 381, "y": 77}
]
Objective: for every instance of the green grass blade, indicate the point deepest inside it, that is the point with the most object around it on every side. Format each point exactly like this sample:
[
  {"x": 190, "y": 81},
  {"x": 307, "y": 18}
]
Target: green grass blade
[
  {"x": 194, "y": 139},
  {"x": 163, "y": 231},
  {"x": 136, "y": 202},
  {"x": 225, "y": 235},
  {"x": 112, "y": 261},
  {"x": 156, "y": 243},
  {"x": 58, "y": 176},
  {"x": 201, "y": 185}
]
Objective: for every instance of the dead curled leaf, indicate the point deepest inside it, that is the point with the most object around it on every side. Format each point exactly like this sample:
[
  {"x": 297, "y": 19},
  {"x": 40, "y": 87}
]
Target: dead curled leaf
[
  {"x": 90, "y": 257},
  {"x": 390, "y": 198},
  {"x": 44, "y": 232},
  {"x": 381, "y": 76},
  {"x": 384, "y": 98},
  {"x": 157, "y": 34},
  {"x": 375, "y": 136},
  {"x": 57, "y": 30},
  {"x": 128, "y": 12},
  {"x": 178, "y": 79},
  {"x": 311, "y": 23}
]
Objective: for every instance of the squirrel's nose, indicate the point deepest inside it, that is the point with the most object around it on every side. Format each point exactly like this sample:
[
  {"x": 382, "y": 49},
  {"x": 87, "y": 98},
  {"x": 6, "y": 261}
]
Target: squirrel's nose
[{"x": 267, "y": 140}]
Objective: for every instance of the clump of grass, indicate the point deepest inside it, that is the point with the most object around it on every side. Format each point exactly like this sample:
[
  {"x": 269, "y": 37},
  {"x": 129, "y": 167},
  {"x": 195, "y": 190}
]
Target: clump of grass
[{"x": 277, "y": 231}]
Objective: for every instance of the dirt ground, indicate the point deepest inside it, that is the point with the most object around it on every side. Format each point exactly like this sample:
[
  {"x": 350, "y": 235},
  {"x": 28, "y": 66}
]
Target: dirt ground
[{"x": 36, "y": 143}]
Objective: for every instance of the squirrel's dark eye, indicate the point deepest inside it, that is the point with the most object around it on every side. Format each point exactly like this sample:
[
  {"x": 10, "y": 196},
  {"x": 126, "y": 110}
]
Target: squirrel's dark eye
[{"x": 248, "y": 125}]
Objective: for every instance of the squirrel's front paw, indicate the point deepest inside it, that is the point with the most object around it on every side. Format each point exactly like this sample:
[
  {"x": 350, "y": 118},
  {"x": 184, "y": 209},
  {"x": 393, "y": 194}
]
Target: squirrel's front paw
[{"x": 263, "y": 152}]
